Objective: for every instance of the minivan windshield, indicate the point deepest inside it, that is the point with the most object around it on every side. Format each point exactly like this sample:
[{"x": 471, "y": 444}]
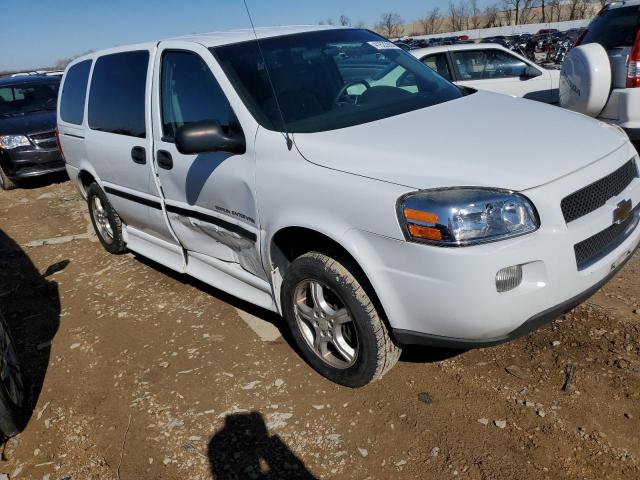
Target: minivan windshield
[
  {"x": 330, "y": 79},
  {"x": 23, "y": 98}
]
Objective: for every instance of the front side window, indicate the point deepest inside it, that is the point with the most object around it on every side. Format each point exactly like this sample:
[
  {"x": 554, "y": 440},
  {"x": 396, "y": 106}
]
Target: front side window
[
  {"x": 24, "y": 98},
  {"x": 438, "y": 63},
  {"x": 487, "y": 64},
  {"x": 330, "y": 79},
  {"x": 189, "y": 93},
  {"x": 117, "y": 94},
  {"x": 74, "y": 92}
]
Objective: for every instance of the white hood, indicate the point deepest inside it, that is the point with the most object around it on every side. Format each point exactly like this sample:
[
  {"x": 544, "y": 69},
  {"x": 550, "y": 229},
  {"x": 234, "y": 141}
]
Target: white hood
[{"x": 483, "y": 139}]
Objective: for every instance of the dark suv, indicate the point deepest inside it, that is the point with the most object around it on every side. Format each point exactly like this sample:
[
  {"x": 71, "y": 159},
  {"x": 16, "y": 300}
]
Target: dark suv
[{"x": 28, "y": 144}]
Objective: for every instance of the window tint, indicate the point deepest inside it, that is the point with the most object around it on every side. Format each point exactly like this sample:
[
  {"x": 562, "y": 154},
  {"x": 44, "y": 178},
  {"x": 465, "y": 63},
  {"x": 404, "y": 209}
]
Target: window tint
[
  {"x": 74, "y": 93},
  {"x": 330, "y": 79},
  {"x": 117, "y": 95},
  {"x": 438, "y": 63},
  {"x": 617, "y": 27},
  {"x": 28, "y": 97},
  {"x": 190, "y": 93},
  {"x": 487, "y": 64}
]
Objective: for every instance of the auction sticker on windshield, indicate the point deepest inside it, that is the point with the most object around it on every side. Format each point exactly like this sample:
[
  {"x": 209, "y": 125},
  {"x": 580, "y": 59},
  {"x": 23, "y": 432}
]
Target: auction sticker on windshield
[{"x": 383, "y": 45}]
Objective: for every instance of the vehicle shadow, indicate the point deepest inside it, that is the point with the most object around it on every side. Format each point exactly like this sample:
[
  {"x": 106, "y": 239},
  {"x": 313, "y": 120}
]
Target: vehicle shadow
[
  {"x": 43, "y": 181},
  {"x": 243, "y": 448},
  {"x": 30, "y": 305},
  {"x": 263, "y": 314},
  {"x": 410, "y": 353}
]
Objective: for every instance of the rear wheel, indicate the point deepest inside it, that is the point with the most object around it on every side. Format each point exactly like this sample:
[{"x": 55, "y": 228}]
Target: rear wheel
[
  {"x": 12, "y": 396},
  {"x": 335, "y": 323},
  {"x": 105, "y": 220},
  {"x": 5, "y": 182}
]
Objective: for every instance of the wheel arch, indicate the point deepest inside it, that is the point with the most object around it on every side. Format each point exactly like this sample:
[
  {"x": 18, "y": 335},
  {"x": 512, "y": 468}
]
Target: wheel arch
[{"x": 290, "y": 242}]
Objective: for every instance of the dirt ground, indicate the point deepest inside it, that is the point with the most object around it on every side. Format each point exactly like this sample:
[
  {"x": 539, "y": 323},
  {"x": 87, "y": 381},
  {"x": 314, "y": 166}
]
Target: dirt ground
[{"x": 136, "y": 372}]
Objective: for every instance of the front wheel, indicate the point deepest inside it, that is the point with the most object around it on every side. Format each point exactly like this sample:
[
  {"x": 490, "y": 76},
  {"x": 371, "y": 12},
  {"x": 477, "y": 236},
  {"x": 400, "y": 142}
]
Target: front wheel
[
  {"x": 5, "y": 182},
  {"x": 335, "y": 323}
]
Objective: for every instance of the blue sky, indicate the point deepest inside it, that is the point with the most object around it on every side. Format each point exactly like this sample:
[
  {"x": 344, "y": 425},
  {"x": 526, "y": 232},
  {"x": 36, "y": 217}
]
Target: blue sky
[{"x": 36, "y": 33}]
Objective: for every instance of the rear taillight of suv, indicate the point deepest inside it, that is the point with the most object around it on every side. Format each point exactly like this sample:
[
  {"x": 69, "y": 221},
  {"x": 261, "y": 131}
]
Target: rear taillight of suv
[{"x": 633, "y": 65}]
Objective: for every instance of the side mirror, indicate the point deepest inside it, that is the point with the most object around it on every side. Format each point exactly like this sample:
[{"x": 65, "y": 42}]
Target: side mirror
[
  {"x": 531, "y": 72},
  {"x": 208, "y": 136}
]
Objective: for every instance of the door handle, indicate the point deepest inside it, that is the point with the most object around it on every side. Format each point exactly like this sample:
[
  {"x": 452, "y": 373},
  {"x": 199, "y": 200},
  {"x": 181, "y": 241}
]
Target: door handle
[
  {"x": 164, "y": 159},
  {"x": 139, "y": 155}
]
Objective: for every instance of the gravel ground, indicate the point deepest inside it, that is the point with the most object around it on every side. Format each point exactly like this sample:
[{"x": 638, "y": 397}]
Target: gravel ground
[{"x": 137, "y": 372}]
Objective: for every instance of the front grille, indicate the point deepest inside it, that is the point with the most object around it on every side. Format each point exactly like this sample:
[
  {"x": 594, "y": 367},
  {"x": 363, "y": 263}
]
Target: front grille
[
  {"x": 44, "y": 140},
  {"x": 594, "y": 248},
  {"x": 594, "y": 196}
]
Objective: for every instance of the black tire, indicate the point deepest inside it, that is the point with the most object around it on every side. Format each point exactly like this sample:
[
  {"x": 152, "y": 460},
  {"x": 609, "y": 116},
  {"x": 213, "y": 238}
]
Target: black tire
[
  {"x": 375, "y": 352},
  {"x": 12, "y": 392},
  {"x": 112, "y": 242},
  {"x": 5, "y": 182}
]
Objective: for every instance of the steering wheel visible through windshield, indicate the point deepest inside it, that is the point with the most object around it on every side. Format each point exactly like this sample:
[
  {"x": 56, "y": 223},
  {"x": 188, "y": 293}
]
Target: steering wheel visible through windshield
[{"x": 330, "y": 79}]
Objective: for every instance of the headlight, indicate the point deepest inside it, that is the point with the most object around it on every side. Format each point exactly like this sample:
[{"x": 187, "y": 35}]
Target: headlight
[
  {"x": 462, "y": 216},
  {"x": 13, "y": 141}
]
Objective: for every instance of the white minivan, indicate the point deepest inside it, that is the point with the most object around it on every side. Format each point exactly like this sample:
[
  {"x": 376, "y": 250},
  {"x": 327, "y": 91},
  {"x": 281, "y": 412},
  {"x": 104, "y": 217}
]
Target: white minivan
[{"x": 369, "y": 215}]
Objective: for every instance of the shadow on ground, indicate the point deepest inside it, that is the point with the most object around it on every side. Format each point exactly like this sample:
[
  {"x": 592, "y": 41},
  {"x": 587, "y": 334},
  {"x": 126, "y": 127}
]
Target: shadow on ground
[
  {"x": 410, "y": 353},
  {"x": 42, "y": 181},
  {"x": 30, "y": 305},
  {"x": 244, "y": 449}
]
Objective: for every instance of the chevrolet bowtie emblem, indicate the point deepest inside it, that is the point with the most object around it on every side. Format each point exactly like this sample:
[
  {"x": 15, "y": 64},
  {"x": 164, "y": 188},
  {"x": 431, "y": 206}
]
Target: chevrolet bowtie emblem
[{"x": 622, "y": 211}]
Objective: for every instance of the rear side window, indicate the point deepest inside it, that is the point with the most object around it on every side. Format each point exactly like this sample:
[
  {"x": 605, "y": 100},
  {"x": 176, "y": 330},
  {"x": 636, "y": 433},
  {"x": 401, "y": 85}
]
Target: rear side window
[
  {"x": 74, "y": 92},
  {"x": 487, "y": 64},
  {"x": 117, "y": 95},
  {"x": 190, "y": 93},
  {"x": 617, "y": 27}
]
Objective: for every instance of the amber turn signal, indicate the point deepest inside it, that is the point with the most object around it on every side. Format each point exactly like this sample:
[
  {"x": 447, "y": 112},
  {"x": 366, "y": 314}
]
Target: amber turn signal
[
  {"x": 420, "y": 216},
  {"x": 426, "y": 233}
]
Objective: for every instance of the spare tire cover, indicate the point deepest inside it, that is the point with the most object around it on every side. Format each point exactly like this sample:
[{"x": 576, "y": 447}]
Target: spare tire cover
[{"x": 585, "y": 80}]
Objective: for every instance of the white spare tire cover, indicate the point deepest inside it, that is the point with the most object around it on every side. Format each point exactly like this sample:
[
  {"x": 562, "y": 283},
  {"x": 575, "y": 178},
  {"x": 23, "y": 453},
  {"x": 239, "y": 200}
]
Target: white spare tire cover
[{"x": 585, "y": 80}]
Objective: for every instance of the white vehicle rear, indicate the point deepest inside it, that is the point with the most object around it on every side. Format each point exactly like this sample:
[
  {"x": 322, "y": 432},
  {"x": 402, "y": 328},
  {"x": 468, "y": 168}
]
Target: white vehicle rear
[{"x": 601, "y": 76}]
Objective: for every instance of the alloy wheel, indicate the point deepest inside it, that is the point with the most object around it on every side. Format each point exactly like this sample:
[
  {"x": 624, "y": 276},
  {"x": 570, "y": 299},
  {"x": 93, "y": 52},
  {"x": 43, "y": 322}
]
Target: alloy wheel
[{"x": 326, "y": 324}]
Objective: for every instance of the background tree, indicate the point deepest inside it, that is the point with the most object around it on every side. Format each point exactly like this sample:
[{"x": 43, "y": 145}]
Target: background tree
[
  {"x": 345, "y": 21},
  {"x": 390, "y": 25},
  {"x": 432, "y": 22}
]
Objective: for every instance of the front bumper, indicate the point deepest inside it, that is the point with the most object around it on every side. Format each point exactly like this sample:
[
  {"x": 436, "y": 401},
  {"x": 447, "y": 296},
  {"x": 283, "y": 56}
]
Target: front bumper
[
  {"x": 407, "y": 337},
  {"x": 448, "y": 296},
  {"x": 23, "y": 163}
]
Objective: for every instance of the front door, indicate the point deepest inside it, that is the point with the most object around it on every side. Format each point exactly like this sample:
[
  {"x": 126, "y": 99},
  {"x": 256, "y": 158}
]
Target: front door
[{"x": 209, "y": 197}]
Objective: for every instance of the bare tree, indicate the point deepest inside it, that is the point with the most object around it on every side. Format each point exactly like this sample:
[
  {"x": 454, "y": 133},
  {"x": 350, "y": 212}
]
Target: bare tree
[
  {"x": 475, "y": 14},
  {"x": 458, "y": 16},
  {"x": 491, "y": 16},
  {"x": 513, "y": 6},
  {"x": 361, "y": 24},
  {"x": 390, "y": 25},
  {"x": 432, "y": 22},
  {"x": 345, "y": 21},
  {"x": 528, "y": 11},
  {"x": 555, "y": 10},
  {"x": 328, "y": 21}
]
